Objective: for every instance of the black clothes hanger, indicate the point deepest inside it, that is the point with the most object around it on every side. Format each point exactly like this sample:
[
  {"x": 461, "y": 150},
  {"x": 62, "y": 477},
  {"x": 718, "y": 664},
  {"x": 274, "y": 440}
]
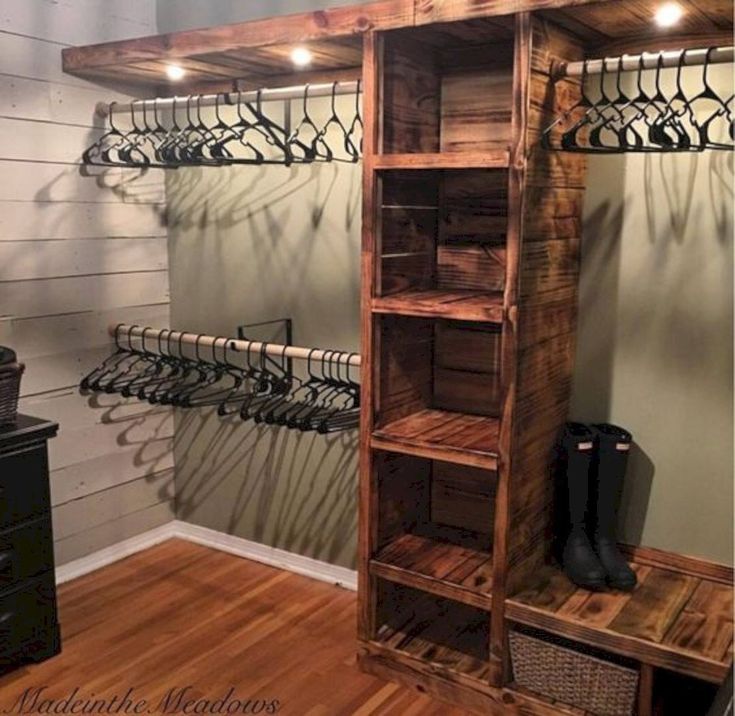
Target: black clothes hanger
[{"x": 661, "y": 120}]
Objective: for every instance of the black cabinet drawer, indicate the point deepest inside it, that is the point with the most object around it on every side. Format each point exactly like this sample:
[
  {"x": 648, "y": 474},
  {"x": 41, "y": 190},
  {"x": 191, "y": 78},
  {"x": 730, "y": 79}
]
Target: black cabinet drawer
[
  {"x": 24, "y": 490},
  {"x": 27, "y": 611},
  {"x": 25, "y": 552}
]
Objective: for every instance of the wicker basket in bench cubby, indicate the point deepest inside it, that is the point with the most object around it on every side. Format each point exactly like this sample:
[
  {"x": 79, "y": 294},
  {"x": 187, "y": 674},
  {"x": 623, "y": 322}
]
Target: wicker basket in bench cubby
[
  {"x": 10, "y": 375},
  {"x": 550, "y": 667}
]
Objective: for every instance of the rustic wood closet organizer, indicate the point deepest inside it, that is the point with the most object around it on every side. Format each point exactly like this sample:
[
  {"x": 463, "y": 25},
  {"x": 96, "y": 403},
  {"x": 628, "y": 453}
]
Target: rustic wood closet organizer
[{"x": 469, "y": 270}]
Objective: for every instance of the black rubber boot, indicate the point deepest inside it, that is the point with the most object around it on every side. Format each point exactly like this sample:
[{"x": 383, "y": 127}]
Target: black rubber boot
[
  {"x": 580, "y": 562},
  {"x": 613, "y": 445}
]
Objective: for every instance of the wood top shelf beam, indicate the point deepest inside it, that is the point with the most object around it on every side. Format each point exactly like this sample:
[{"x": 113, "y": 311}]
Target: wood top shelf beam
[{"x": 256, "y": 53}]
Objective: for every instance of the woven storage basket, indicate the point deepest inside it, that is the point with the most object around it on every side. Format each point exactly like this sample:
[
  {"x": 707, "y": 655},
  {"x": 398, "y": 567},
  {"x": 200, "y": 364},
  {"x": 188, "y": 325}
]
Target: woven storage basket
[
  {"x": 572, "y": 677},
  {"x": 10, "y": 375}
]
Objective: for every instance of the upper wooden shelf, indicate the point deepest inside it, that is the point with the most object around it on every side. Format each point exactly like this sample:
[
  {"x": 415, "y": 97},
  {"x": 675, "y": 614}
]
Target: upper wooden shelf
[
  {"x": 257, "y": 53},
  {"x": 678, "y": 619},
  {"x": 498, "y": 159}
]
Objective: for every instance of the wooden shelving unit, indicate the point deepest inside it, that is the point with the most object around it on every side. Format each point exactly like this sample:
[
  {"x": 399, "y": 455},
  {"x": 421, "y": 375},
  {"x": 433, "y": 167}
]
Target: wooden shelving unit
[{"x": 471, "y": 236}]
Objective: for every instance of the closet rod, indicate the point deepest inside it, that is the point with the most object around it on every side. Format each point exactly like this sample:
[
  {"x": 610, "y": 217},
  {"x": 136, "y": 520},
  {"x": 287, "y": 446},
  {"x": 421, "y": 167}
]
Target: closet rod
[
  {"x": 648, "y": 60},
  {"x": 203, "y": 341},
  {"x": 209, "y": 100}
]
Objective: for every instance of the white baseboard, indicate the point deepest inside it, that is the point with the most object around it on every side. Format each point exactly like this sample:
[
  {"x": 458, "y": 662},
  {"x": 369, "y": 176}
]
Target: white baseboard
[
  {"x": 289, "y": 561},
  {"x": 108, "y": 555}
]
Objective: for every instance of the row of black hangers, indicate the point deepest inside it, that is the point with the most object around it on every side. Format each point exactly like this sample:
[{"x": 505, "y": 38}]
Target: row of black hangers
[
  {"x": 264, "y": 389},
  {"x": 187, "y": 136},
  {"x": 650, "y": 117}
]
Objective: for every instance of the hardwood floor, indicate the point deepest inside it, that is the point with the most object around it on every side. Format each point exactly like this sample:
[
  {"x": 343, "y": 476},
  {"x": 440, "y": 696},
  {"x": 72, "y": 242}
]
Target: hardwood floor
[{"x": 181, "y": 615}]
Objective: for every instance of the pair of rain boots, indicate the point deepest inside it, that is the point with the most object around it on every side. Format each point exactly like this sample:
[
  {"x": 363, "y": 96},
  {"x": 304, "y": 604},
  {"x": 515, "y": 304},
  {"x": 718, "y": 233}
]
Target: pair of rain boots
[{"x": 593, "y": 460}]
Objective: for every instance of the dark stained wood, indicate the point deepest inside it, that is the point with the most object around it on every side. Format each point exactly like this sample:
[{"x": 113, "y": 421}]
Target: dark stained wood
[
  {"x": 453, "y": 571},
  {"x": 655, "y": 605},
  {"x": 463, "y": 497},
  {"x": 597, "y": 22},
  {"x": 370, "y": 384},
  {"x": 259, "y": 46},
  {"x": 672, "y": 620},
  {"x": 645, "y": 690},
  {"x": 442, "y": 435},
  {"x": 694, "y": 566},
  {"x": 548, "y": 271},
  {"x": 411, "y": 96},
  {"x": 475, "y": 697},
  {"x": 496, "y": 159},
  {"x": 405, "y": 378},
  {"x": 705, "y": 623},
  {"x": 437, "y": 303},
  {"x": 476, "y": 88},
  {"x": 403, "y": 486}
]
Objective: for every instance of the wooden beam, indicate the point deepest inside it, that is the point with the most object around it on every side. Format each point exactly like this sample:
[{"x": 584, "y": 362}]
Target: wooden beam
[{"x": 302, "y": 27}]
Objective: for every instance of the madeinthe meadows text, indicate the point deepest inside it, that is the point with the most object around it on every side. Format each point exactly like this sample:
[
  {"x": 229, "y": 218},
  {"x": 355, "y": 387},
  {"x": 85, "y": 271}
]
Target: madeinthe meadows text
[{"x": 177, "y": 700}]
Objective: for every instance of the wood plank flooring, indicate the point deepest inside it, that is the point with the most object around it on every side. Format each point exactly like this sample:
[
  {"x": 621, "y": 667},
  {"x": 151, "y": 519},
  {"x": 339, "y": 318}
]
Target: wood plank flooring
[{"x": 183, "y": 615}]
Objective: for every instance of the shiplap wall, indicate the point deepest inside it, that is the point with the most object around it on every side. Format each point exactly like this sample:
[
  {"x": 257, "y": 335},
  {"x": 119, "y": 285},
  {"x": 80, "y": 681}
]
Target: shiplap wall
[{"x": 76, "y": 254}]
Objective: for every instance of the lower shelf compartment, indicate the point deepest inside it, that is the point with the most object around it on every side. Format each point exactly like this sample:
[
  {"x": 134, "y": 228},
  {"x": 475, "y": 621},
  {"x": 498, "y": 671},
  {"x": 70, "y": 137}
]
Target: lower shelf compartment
[
  {"x": 460, "y": 438},
  {"x": 451, "y": 637},
  {"x": 446, "y": 562}
]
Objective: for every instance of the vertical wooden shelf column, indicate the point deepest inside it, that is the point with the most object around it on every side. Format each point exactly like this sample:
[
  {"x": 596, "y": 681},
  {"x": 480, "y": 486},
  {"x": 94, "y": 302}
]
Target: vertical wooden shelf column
[{"x": 469, "y": 271}]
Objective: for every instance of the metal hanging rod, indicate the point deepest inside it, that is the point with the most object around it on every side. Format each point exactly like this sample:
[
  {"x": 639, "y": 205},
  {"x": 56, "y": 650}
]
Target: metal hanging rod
[
  {"x": 233, "y": 344},
  {"x": 645, "y": 60},
  {"x": 209, "y": 100}
]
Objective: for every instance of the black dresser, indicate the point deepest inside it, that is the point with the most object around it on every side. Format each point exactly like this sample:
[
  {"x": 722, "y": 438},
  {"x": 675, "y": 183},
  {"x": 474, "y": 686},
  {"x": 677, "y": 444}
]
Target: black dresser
[{"x": 29, "y": 629}]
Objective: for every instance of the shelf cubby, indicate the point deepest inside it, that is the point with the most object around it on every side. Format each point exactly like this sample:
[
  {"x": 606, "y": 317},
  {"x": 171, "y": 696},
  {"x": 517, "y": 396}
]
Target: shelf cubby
[
  {"x": 448, "y": 89},
  {"x": 435, "y": 523},
  {"x": 440, "y": 390},
  {"x": 442, "y": 244},
  {"x": 452, "y": 638}
]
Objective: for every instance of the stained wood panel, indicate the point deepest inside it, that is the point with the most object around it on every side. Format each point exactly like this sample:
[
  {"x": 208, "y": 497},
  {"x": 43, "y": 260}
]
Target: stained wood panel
[
  {"x": 672, "y": 620},
  {"x": 254, "y": 49},
  {"x": 442, "y": 435},
  {"x": 548, "y": 271},
  {"x": 451, "y": 637},
  {"x": 463, "y": 497}
]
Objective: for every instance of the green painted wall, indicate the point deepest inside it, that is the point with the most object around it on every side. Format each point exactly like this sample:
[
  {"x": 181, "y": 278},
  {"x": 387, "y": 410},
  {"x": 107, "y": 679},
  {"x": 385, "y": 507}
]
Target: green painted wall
[{"x": 654, "y": 351}]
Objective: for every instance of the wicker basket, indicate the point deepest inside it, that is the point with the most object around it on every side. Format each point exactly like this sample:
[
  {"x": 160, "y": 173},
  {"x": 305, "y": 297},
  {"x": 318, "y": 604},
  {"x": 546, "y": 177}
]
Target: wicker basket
[
  {"x": 10, "y": 375},
  {"x": 572, "y": 677}
]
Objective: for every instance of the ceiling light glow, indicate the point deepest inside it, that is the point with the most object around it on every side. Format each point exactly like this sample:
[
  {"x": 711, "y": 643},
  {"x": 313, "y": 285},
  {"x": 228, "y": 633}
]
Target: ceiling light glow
[
  {"x": 668, "y": 14},
  {"x": 301, "y": 57},
  {"x": 175, "y": 72}
]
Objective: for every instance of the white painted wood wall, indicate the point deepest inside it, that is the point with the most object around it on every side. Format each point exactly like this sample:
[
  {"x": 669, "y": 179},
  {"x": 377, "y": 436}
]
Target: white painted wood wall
[{"x": 77, "y": 253}]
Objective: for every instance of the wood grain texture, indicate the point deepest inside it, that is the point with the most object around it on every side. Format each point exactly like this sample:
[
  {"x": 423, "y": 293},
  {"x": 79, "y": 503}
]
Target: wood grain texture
[
  {"x": 323, "y": 26},
  {"x": 548, "y": 271},
  {"x": 442, "y": 435},
  {"x": 195, "y": 608},
  {"x": 671, "y": 620}
]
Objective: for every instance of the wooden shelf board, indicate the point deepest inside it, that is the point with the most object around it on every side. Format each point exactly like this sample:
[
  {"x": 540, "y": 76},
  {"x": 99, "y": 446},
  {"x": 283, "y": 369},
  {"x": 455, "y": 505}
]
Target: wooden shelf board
[
  {"x": 455, "y": 643},
  {"x": 253, "y": 51},
  {"x": 457, "y": 572},
  {"x": 463, "y": 305},
  {"x": 674, "y": 620},
  {"x": 443, "y": 435},
  {"x": 496, "y": 159}
]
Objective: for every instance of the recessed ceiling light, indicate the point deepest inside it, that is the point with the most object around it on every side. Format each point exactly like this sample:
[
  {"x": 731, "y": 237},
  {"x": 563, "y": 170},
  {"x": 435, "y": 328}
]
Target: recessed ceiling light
[
  {"x": 301, "y": 57},
  {"x": 175, "y": 72},
  {"x": 668, "y": 14}
]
